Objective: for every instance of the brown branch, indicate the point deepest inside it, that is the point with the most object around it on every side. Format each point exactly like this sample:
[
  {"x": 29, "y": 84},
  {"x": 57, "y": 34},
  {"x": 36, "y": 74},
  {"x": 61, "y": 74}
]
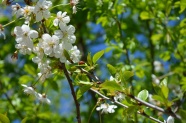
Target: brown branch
[{"x": 72, "y": 92}]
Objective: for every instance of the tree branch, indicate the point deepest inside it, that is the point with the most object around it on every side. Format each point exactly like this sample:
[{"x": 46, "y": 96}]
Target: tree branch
[
  {"x": 62, "y": 66},
  {"x": 141, "y": 113},
  {"x": 13, "y": 106},
  {"x": 168, "y": 111}
]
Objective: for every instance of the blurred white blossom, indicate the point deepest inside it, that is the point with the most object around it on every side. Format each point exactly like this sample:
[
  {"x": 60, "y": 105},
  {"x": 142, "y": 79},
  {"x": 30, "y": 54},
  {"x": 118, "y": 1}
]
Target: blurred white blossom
[
  {"x": 28, "y": 90},
  {"x": 158, "y": 67},
  {"x": 106, "y": 108}
]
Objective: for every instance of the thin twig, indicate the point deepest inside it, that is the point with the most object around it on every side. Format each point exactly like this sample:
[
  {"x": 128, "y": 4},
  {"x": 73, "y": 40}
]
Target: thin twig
[
  {"x": 169, "y": 112},
  {"x": 13, "y": 106},
  {"x": 121, "y": 104},
  {"x": 73, "y": 92}
]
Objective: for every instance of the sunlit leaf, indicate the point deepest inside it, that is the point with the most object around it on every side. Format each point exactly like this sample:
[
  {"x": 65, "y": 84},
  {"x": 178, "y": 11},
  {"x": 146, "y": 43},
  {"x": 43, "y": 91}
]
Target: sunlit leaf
[
  {"x": 165, "y": 91},
  {"x": 82, "y": 89},
  {"x": 143, "y": 95},
  {"x": 4, "y": 119},
  {"x": 112, "y": 86},
  {"x": 89, "y": 59},
  {"x": 30, "y": 69},
  {"x": 111, "y": 69},
  {"x": 97, "y": 56}
]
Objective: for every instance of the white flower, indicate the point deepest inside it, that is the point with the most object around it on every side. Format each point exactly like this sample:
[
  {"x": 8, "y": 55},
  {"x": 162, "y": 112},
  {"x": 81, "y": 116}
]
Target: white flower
[
  {"x": 23, "y": 49},
  {"x": 119, "y": 96},
  {"x": 39, "y": 50},
  {"x": 106, "y": 108},
  {"x": 17, "y": 10},
  {"x": 155, "y": 79},
  {"x": 158, "y": 66},
  {"x": 28, "y": 90},
  {"x": 49, "y": 43},
  {"x": 74, "y": 3},
  {"x": 43, "y": 98},
  {"x": 75, "y": 54},
  {"x": 41, "y": 10},
  {"x": 61, "y": 18},
  {"x": 24, "y": 35},
  {"x": 59, "y": 53},
  {"x": 27, "y": 11},
  {"x": 66, "y": 33},
  {"x": 170, "y": 119},
  {"x": 45, "y": 70}
]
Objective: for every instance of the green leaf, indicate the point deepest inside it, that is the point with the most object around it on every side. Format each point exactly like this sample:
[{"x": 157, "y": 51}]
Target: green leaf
[
  {"x": 158, "y": 98},
  {"x": 89, "y": 59},
  {"x": 4, "y": 119},
  {"x": 86, "y": 83},
  {"x": 112, "y": 86},
  {"x": 126, "y": 75},
  {"x": 165, "y": 55},
  {"x": 66, "y": 54},
  {"x": 165, "y": 91},
  {"x": 131, "y": 110},
  {"x": 82, "y": 90},
  {"x": 54, "y": 85},
  {"x": 25, "y": 79},
  {"x": 30, "y": 69},
  {"x": 111, "y": 69},
  {"x": 97, "y": 56},
  {"x": 143, "y": 95},
  {"x": 24, "y": 120},
  {"x": 144, "y": 15}
]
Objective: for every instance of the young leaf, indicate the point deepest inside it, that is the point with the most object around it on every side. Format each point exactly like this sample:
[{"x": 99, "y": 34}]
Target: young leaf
[
  {"x": 97, "y": 56},
  {"x": 66, "y": 54},
  {"x": 82, "y": 90},
  {"x": 89, "y": 59},
  {"x": 112, "y": 86},
  {"x": 4, "y": 119},
  {"x": 111, "y": 69},
  {"x": 143, "y": 95},
  {"x": 165, "y": 91}
]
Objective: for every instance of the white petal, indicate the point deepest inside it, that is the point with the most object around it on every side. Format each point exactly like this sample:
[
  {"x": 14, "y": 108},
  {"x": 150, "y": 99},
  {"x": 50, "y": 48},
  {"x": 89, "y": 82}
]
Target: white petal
[
  {"x": 18, "y": 30},
  {"x": 46, "y": 37},
  {"x": 25, "y": 28},
  {"x": 59, "y": 14},
  {"x": 71, "y": 29},
  {"x": 55, "y": 22},
  {"x": 66, "y": 19},
  {"x": 58, "y": 33},
  {"x": 39, "y": 16},
  {"x": 33, "y": 34}
]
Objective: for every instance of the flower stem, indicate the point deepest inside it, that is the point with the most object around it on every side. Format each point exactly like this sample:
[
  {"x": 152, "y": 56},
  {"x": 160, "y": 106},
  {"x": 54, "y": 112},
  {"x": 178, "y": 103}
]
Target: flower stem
[{"x": 59, "y": 5}]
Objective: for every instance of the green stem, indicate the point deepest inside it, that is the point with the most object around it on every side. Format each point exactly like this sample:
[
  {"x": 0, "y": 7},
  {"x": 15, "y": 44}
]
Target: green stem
[
  {"x": 91, "y": 113},
  {"x": 11, "y": 22},
  {"x": 59, "y": 5}
]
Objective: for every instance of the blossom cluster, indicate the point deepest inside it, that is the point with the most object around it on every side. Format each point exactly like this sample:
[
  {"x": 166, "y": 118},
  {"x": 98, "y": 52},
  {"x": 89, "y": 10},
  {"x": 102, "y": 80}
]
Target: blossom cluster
[
  {"x": 45, "y": 46},
  {"x": 40, "y": 97}
]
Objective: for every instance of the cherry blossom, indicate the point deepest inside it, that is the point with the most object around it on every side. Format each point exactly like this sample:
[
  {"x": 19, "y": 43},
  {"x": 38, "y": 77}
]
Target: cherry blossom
[
  {"x": 43, "y": 98},
  {"x": 61, "y": 18},
  {"x": 106, "y": 108},
  {"x": 24, "y": 35},
  {"x": 17, "y": 10},
  {"x": 49, "y": 43},
  {"x": 66, "y": 33},
  {"x": 41, "y": 10},
  {"x": 28, "y": 90}
]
